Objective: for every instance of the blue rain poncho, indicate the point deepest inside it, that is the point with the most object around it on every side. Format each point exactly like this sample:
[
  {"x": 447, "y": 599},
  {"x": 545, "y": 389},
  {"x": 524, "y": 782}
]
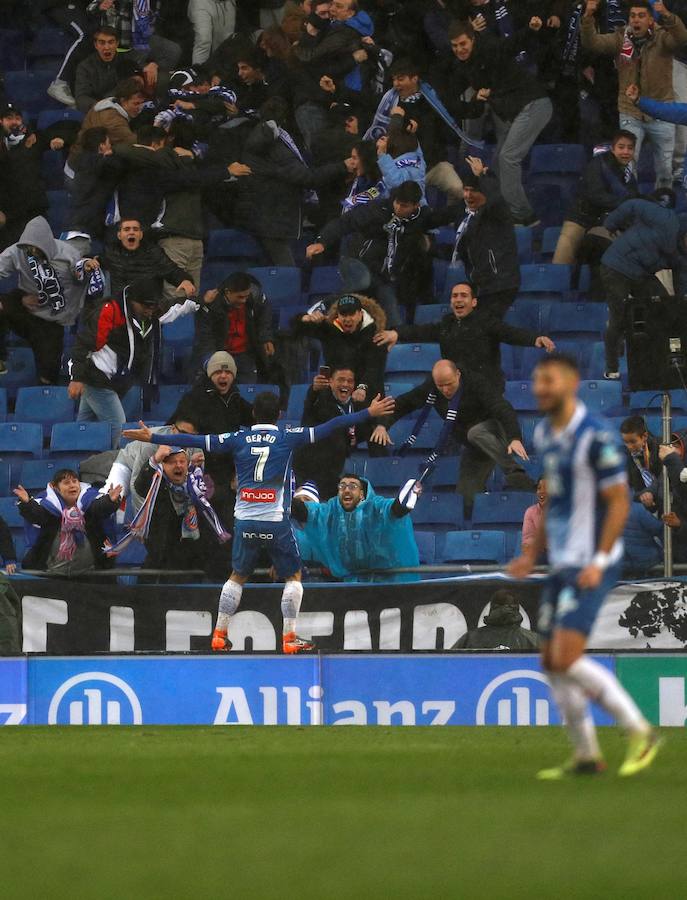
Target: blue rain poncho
[{"x": 351, "y": 543}]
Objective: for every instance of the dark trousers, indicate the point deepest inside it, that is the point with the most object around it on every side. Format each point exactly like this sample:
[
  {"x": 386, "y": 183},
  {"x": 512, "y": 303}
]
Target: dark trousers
[
  {"x": 45, "y": 338},
  {"x": 486, "y": 445},
  {"x": 498, "y": 302}
]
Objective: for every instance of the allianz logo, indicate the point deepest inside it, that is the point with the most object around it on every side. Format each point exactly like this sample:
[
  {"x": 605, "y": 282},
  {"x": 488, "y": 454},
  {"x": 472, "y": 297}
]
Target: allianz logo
[
  {"x": 95, "y": 698},
  {"x": 520, "y": 697}
]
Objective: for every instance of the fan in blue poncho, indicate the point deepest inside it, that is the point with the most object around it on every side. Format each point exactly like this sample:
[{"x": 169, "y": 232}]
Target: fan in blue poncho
[{"x": 358, "y": 531}]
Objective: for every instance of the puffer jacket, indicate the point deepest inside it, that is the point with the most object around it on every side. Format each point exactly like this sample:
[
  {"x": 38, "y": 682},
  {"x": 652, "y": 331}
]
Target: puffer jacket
[
  {"x": 61, "y": 256},
  {"x": 652, "y": 70},
  {"x": 502, "y": 630},
  {"x": 357, "y": 349},
  {"x": 649, "y": 238}
]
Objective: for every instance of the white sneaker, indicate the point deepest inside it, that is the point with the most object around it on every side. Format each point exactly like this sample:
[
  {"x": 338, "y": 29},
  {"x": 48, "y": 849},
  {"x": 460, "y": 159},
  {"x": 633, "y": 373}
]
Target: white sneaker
[
  {"x": 612, "y": 376},
  {"x": 59, "y": 90}
]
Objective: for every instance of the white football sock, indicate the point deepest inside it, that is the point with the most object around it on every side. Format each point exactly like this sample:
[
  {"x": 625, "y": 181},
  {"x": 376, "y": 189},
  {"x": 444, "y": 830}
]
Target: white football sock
[
  {"x": 291, "y": 599},
  {"x": 574, "y": 709},
  {"x": 602, "y": 687},
  {"x": 229, "y": 600}
]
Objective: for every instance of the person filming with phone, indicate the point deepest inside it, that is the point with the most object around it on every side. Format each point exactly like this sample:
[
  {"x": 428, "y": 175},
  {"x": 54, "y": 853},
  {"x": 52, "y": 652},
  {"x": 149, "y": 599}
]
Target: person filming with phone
[{"x": 333, "y": 393}]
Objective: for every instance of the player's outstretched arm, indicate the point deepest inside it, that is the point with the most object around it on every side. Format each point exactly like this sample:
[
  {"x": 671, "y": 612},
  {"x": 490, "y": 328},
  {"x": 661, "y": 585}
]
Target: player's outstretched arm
[
  {"x": 213, "y": 443},
  {"x": 380, "y": 406}
]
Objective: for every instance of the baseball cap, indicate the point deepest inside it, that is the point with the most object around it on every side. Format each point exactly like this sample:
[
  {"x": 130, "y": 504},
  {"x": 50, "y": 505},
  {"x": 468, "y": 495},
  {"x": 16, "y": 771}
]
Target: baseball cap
[
  {"x": 146, "y": 291},
  {"x": 347, "y": 305},
  {"x": 220, "y": 362}
]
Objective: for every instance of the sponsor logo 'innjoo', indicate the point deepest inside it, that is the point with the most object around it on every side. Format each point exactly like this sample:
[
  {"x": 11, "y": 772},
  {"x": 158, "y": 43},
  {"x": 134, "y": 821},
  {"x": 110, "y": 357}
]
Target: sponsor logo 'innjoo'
[
  {"x": 95, "y": 698},
  {"x": 520, "y": 697},
  {"x": 258, "y": 495}
]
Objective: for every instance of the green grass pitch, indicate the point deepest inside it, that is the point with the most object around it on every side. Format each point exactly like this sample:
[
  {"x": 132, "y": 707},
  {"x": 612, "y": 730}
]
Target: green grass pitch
[{"x": 332, "y": 813}]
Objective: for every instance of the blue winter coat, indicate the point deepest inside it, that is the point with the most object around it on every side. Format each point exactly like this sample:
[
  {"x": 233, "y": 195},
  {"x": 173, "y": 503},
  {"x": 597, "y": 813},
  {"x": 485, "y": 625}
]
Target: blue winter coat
[
  {"x": 649, "y": 239},
  {"x": 369, "y": 537}
]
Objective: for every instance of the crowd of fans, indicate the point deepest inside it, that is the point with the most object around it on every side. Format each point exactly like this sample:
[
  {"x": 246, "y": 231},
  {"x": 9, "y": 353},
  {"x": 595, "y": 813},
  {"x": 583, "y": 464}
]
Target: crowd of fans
[{"x": 352, "y": 133}]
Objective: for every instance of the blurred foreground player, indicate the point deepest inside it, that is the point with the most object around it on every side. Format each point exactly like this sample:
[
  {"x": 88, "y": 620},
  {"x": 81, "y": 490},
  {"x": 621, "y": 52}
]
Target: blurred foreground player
[
  {"x": 262, "y": 456},
  {"x": 582, "y": 525}
]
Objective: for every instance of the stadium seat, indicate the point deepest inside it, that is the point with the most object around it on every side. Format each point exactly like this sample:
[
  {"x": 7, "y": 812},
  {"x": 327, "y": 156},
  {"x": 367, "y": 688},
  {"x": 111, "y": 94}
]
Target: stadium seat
[
  {"x": 167, "y": 402},
  {"x": 281, "y": 284},
  {"x": 430, "y": 312},
  {"x": 49, "y": 42},
  {"x": 6, "y": 483},
  {"x": 396, "y": 388},
  {"x": 548, "y": 201},
  {"x": 577, "y": 320},
  {"x": 3, "y": 405},
  {"x": 546, "y": 159},
  {"x": 445, "y": 475},
  {"x": 294, "y": 409},
  {"x": 12, "y": 51},
  {"x": 52, "y": 169},
  {"x": 440, "y": 511},
  {"x": 325, "y": 280},
  {"x": 36, "y": 473},
  {"x": 473, "y": 547},
  {"x": 21, "y": 370},
  {"x": 545, "y": 278},
  {"x": 523, "y": 237},
  {"x": 250, "y": 391},
  {"x": 548, "y": 242},
  {"x": 530, "y": 314},
  {"x": 604, "y": 397},
  {"x": 58, "y": 201},
  {"x": 426, "y": 546},
  {"x": 595, "y": 357},
  {"x": 439, "y": 267},
  {"x": 530, "y": 356},
  {"x": 10, "y": 513},
  {"x": 20, "y": 441},
  {"x": 180, "y": 331},
  {"x": 406, "y": 359},
  {"x": 151, "y": 423},
  {"x": 426, "y": 439},
  {"x": 46, "y": 404},
  {"x": 500, "y": 509},
  {"x": 232, "y": 244},
  {"x": 213, "y": 274},
  {"x": 28, "y": 90},
  {"x": 131, "y": 401},
  {"x": 48, "y": 117},
  {"x": 388, "y": 474},
  {"x": 80, "y": 437},
  {"x": 519, "y": 395},
  {"x": 455, "y": 272}
]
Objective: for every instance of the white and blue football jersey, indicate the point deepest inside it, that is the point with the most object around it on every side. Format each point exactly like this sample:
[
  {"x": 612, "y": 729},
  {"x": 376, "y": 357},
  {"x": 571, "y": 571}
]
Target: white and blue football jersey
[{"x": 579, "y": 462}]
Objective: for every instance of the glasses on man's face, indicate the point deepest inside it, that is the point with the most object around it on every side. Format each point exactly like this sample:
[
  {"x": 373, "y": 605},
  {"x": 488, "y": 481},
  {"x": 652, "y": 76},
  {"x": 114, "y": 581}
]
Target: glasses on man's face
[{"x": 348, "y": 485}]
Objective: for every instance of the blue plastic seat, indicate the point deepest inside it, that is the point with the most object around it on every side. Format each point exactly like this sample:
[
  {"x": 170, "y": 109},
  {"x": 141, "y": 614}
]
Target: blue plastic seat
[
  {"x": 131, "y": 401},
  {"x": 545, "y": 278},
  {"x": 3, "y": 404},
  {"x": 232, "y": 243},
  {"x": 36, "y": 473},
  {"x": 58, "y": 201},
  {"x": 281, "y": 284},
  {"x": 46, "y": 404},
  {"x": 250, "y": 391},
  {"x": 549, "y": 201},
  {"x": 441, "y": 511},
  {"x": 28, "y": 90},
  {"x": 49, "y": 42},
  {"x": 455, "y": 272},
  {"x": 426, "y": 546},
  {"x": 294, "y": 409},
  {"x": 445, "y": 475},
  {"x": 213, "y": 274},
  {"x": 500, "y": 509},
  {"x": 180, "y": 331},
  {"x": 429, "y": 313},
  {"x": 6, "y": 483},
  {"x": 325, "y": 280},
  {"x": 10, "y": 513},
  {"x": 519, "y": 395},
  {"x": 530, "y": 356},
  {"x": 604, "y": 397},
  {"x": 48, "y": 117},
  {"x": 21, "y": 370},
  {"x": 549, "y": 241},
  {"x": 426, "y": 439},
  {"x": 577, "y": 319},
  {"x": 409, "y": 358},
  {"x": 550, "y": 159},
  {"x": 396, "y": 388},
  {"x": 439, "y": 267},
  {"x": 530, "y": 314},
  {"x": 164, "y": 406},
  {"x": 473, "y": 547},
  {"x": 523, "y": 237},
  {"x": 20, "y": 441},
  {"x": 389, "y": 474},
  {"x": 80, "y": 437}
]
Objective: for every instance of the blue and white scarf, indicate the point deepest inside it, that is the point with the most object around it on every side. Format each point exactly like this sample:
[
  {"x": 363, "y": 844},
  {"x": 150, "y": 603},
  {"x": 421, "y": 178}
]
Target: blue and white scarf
[
  {"x": 394, "y": 228},
  {"x": 380, "y": 123},
  {"x": 47, "y": 283},
  {"x": 288, "y": 141},
  {"x": 94, "y": 279},
  {"x": 427, "y": 466},
  {"x": 460, "y": 232},
  {"x": 571, "y": 48}
]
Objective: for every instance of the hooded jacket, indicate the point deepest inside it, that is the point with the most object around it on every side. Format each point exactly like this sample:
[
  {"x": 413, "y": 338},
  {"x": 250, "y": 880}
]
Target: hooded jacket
[
  {"x": 113, "y": 350},
  {"x": 502, "y": 630},
  {"x": 651, "y": 69},
  {"x": 356, "y": 350},
  {"x": 212, "y": 325},
  {"x": 648, "y": 241},
  {"x": 489, "y": 248},
  {"x": 377, "y": 534},
  {"x": 62, "y": 257},
  {"x": 107, "y": 114}
]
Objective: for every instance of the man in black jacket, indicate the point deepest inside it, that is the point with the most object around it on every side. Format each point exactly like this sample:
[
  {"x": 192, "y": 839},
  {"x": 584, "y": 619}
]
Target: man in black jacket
[
  {"x": 323, "y": 462},
  {"x": 97, "y": 75},
  {"x": 393, "y": 244},
  {"x": 216, "y": 406},
  {"x": 348, "y": 333},
  {"x": 485, "y": 425},
  {"x": 237, "y": 317},
  {"x": 134, "y": 257},
  {"x": 92, "y": 186},
  {"x": 469, "y": 336},
  {"x": 485, "y": 241},
  {"x": 606, "y": 182},
  {"x": 518, "y": 102}
]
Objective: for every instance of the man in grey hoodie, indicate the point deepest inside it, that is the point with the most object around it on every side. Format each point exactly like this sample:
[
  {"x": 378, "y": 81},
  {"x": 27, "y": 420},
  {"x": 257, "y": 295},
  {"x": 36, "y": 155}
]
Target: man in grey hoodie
[{"x": 52, "y": 284}]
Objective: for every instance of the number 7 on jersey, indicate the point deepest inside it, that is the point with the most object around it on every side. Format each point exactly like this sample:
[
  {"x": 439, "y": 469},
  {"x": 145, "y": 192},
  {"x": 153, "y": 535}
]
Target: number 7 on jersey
[{"x": 263, "y": 454}]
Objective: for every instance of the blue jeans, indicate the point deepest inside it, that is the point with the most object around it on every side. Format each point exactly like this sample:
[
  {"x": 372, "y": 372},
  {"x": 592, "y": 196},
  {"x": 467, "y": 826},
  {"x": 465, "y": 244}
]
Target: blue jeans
[
  {"x": 662, "y": 138},
  {"x": 102, "y": 405}
]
